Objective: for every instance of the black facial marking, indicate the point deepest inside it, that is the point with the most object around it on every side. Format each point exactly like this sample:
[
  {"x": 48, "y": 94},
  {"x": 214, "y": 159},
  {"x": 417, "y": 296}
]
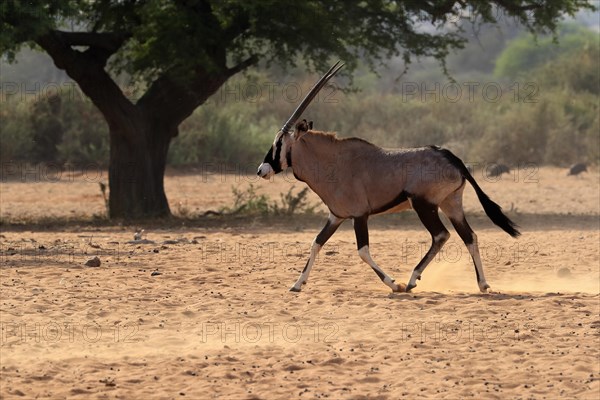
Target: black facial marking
[
  {"x": 274, "y": 161},
  {"x": 269, "y": 157},
  {"x": 288, "y": 157},
  {"x": 276, "y": 165}
]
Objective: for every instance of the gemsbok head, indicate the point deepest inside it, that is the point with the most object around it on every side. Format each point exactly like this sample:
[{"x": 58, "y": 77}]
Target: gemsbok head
[{"x": 356, "y": 179}]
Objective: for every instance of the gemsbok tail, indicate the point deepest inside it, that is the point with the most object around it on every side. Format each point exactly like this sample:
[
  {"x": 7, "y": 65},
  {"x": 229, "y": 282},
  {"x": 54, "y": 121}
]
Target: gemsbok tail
[{"x": 492, "y": 210}]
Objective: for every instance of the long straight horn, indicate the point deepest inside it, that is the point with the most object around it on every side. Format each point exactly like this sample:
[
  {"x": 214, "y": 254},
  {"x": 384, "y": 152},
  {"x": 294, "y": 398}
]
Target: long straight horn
[{"x": 287, "y": 128}]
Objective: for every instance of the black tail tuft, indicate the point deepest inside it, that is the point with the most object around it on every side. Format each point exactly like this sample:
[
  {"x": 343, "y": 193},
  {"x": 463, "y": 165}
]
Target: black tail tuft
[{"x": 492, "y": 210}]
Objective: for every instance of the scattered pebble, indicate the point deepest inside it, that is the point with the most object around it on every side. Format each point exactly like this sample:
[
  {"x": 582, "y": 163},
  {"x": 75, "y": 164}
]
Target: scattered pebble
[
  {"x": 93, "y": 262},
  {"x": 155, "y": 273}
]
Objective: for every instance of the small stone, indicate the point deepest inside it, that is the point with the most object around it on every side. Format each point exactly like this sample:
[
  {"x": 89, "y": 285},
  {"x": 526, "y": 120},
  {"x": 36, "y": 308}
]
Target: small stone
[
  {"x": 93, "y": 262},
  {"x": 155, "y": 273}
]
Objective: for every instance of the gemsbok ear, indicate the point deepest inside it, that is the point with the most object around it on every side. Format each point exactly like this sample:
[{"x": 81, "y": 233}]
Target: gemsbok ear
[
  {"x": 301, "y": 128},
  {"x": 310, "y": 125}
]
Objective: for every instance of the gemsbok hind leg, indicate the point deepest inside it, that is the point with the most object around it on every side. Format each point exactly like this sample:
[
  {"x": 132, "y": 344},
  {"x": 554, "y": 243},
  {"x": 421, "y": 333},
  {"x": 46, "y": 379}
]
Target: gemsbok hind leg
[
  {"x": 428, "y": 214},
  {"x": 361, "y": 230},
  {"x": 333, "y": 223},
  {"x": 452, "y": 207}
]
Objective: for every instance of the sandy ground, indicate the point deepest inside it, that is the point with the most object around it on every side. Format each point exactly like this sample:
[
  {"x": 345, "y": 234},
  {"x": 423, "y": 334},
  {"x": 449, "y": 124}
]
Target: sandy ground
[{"x": 218, "y": 321}]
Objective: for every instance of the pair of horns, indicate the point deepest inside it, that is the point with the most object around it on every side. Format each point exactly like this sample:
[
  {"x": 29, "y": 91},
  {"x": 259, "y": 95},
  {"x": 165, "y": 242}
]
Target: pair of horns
[{"x": 287, "y": 128}]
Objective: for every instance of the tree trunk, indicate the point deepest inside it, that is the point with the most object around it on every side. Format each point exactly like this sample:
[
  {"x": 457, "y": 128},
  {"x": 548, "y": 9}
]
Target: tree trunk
[
  {"x": 140, "y": 133},
  {"x": 136, "y": 170}
]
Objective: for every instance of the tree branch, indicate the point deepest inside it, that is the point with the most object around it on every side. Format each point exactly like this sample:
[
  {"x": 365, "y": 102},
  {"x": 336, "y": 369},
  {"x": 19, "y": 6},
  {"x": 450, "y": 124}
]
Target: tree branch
[
  {"x": 253, "y": 59},
  {"x": 171, "y": 102},
  {"x": 90, "y": 75},
  {"x": 110, "y": 41}
]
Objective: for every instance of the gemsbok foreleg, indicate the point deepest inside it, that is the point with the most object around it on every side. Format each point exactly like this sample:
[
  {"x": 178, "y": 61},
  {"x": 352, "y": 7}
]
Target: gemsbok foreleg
[
  {"x": 452, "y": 207},
  {"x": 361, "y": 230},
  {"x": 428, "y": 214},
  {"x": 333, "y": 223}
]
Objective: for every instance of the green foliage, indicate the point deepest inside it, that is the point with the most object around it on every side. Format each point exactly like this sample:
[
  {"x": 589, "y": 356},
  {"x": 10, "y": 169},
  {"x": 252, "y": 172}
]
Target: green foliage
[
  {"x": 294, "y": 203},
  {"x": 233, "y": 135},
  {"x": 15, "y": 132},
  {"x": 249, "y": 202},
  {"x": 180, "y": 36},
  {"x": 527, "y": 52},
  {"x": 61, "y": 128}
]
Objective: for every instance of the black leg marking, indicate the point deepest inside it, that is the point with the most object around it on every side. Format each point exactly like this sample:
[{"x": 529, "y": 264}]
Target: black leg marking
[
  {"x": 464, "y": 230},
  {"x": 305, "y": 267},
  {"x": 428, "y": 214},
  {"x": 327, "y": 231},
  {"x": 361, "y": 229},
  {"x": 468, "y": 236},
  {"x": 380, "y": 274}
]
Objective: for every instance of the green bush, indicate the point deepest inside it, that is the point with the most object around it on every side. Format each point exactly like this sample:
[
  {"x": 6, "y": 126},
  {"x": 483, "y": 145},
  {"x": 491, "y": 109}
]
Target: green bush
[
  {"x": 249, "y": 202},
  {"x": 62, "y": 128},
  {"x": 16, "y": 137},
  {"x": 235, "y": 134},
  {"x": 526, "y": 53}
]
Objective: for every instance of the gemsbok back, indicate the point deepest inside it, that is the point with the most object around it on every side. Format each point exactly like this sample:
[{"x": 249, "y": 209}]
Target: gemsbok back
[{"x": 357, "y": 179}]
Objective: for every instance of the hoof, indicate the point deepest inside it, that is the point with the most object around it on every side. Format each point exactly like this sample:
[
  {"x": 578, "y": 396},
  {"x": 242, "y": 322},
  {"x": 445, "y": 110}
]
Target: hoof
[
  {"x": 410, "y": 287},
  {"x": 484, "y": 288},
  {"x": 294, "y": 289},
  {"x": 401, "y": 288}
]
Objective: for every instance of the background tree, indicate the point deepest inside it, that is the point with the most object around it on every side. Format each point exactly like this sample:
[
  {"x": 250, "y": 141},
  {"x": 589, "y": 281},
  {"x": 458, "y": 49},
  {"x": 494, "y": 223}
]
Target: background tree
[
  {"x": 527, "y": 53},
  {"x": 180, "y": 52}
]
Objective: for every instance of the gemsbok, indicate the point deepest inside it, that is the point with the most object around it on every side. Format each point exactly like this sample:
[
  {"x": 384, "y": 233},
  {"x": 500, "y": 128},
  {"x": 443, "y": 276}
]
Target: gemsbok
[{"x": 356, "y": 179}]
